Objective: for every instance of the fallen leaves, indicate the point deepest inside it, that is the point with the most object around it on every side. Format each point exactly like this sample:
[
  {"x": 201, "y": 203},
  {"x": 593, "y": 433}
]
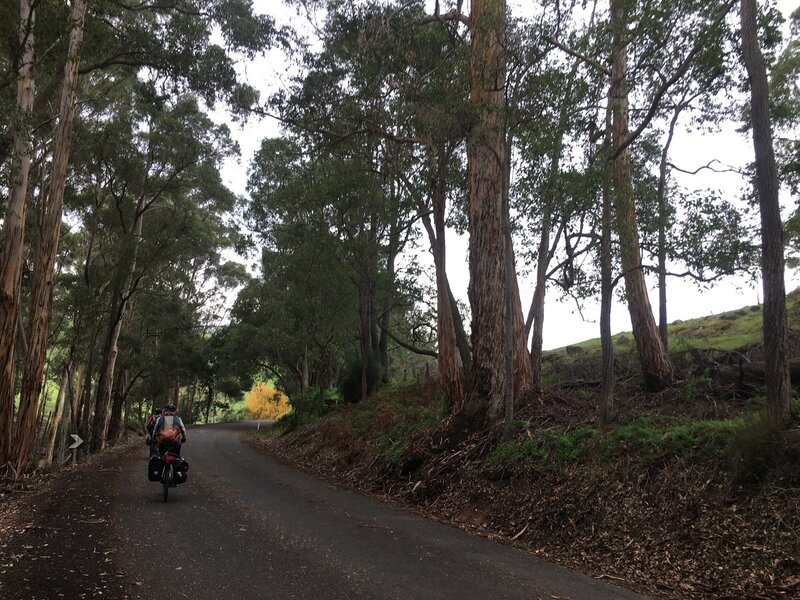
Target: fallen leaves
[{"x": 669, "y": 527}]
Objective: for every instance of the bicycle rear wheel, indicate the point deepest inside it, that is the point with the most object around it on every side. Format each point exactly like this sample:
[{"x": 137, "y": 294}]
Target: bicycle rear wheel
[{"x": 166, "y": 479}]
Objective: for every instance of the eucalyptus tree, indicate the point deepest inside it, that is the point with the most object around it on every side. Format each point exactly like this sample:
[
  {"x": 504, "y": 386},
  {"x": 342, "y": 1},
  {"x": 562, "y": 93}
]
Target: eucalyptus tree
[
  {"x": 784, "y": 90},
  {"x": 120, "y": 39},
  {"x": 146, "y": 177},
  {"x": 631, "y": 27},
  {"x": 377, "y": 92},
  {"x": 334, "y": 198},
  {"x": 431, "y": 114},
  {"x": 779, "y": 389},
  {"x": 46, "y": 246},
  {"x": 14, "y": 223},
  {"x": 552, "y": 107}
]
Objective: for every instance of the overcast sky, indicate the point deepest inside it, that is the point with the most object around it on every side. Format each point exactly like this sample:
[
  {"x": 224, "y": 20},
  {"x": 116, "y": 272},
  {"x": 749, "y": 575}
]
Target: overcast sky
[{"x": 563, "y": 323}]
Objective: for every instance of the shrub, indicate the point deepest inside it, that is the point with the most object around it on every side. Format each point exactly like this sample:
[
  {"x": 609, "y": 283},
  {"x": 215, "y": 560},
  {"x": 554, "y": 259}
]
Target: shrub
[{"x": 350, "y": 385}]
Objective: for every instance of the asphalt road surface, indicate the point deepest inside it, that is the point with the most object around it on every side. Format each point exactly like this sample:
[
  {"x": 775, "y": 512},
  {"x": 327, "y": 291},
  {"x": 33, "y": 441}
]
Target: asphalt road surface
[{"x": 246, "y": 527}]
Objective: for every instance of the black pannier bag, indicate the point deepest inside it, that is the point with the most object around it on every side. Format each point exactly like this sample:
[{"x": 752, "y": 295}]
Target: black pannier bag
[
  {"x": 181, "y": 470},
  {"x": 154, "y": 468}
]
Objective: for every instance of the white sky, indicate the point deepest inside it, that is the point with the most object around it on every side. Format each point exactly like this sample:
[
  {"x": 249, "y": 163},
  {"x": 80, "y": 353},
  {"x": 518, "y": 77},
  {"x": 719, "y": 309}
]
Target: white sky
[{"x": 563, "y": 324}]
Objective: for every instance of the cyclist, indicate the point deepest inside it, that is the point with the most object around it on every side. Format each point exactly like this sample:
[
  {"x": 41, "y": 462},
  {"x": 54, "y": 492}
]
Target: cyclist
[
  {"x": 151, "y": 422},
  {"x": 169, "y": 432}
]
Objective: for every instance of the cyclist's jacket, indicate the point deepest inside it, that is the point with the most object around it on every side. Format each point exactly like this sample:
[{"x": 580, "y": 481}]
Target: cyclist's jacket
[{"x": 168, "y": 422}]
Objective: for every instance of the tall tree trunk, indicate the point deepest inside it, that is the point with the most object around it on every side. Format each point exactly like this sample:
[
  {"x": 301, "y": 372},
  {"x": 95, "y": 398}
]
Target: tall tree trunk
[
  {"x": 655, "y": 364},
  {"x": 46, "y": 248},
  {"x": 462, "y": 340},
  {"x": 102, "y": 404},
  {"x": 366, "y": 338},
  {"x": 779, "y": 407},
  {"x": 126, "y": 289},
  {"x": 487, "y": 243},
  {"x": 606, "y": 289},
  {"x": 521, "y": 358},
  {"x": 120, "y": 393},
  {"x": 61, "y": 400},
  {"x": 209, "y": 400},
  {"x": 386, "y": 315},
  {"x": 190, "y": 408},
  {"x": 537, "y": 304},
  {"x": 85, "y": 398},
  {"x": 545, "y": 253},
  {"x": 304, "y": 373},
  {"x": 68, "y": 419},
  {"x": 663, "y": 209},
  {"x": 176, "y": 393},
  {"x": 14, "y": 229},
  {"x": 512, "y": 380},
  {"x": 448, "y": 315},
  {"x": 449, "y": 371}
]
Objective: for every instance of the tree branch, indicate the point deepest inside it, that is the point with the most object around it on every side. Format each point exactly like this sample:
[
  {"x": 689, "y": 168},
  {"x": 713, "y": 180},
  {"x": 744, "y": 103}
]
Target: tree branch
[
  {"x": 728, "y": 169},
  {"x": 409, "y": 347},
  {"x": 575, "y": 53},
  {"x": 680, "y": 72}
]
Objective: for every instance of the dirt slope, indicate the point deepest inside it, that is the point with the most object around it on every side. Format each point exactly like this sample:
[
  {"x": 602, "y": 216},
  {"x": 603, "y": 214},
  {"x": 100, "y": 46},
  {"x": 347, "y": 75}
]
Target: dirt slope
[{"x": 661, "y": 522}]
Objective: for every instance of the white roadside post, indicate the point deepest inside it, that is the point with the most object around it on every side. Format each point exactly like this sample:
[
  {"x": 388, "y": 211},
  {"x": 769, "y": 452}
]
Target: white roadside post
[{"x": 74, "y": 447}]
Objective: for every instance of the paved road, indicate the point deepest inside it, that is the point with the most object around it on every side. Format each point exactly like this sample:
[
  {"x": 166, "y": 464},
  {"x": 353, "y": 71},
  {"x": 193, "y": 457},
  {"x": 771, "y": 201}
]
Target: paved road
[{"x": 245, "y": 527}]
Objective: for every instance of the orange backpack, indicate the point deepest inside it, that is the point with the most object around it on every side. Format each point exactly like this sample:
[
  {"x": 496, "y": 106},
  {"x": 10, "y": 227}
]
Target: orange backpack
[{"x": 171, "y": 434}]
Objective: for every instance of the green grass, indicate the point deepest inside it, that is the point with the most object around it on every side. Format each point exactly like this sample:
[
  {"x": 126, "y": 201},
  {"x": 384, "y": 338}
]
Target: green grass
[
  {"x": 733, "y": 330},
  {"x": 647, "y": 436}
]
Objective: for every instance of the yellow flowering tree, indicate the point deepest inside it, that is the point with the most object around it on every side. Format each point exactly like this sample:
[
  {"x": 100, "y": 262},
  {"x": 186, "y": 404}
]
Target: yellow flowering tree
[{"x": 265, "y": 402}]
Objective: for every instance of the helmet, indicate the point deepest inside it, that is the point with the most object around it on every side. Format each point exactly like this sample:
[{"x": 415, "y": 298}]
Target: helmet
[
  {"x": 169, "y": 407},
  {"x": 157, "y": 411}
]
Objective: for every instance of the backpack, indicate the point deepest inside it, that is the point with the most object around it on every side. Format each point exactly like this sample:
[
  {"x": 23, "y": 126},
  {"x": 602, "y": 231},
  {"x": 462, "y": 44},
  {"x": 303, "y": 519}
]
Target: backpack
[{"x": 171, "y": 434}]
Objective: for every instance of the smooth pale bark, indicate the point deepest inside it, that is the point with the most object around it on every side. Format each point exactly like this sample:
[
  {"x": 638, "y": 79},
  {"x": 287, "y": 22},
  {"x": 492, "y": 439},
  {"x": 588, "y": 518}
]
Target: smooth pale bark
[
  {"x": 189, "y": 412},
  {"x": 85, "y": 415},
  {"x": 462, "y": 340},
  {"x": 449, "y": 371},
  {"x": 523, "y": 377},
  {"x": 484, "y": 403},
  {"x": 209, "y": 401},
  {"x": 13, "y": 233},
  {"x": 102, "y": 403},
  {"x": 126, "y": 289},
  {"x": 655, "y": 364},
  {"x": 304, "y": 378},
  {"x": 120, "y": 394},
  {"x": 385, "y": 317},
  {"x": 46, "y": 247},
  {"x": 606, "y": 290},
  {"x": 61, "y": 400},
  {"x": 537, "y": 304},
  {"x": 778, "y": 386},
  {"x": 521, "y": 359},
  {"x": 662, "y": 228},
  {"x": 68, "y": 418},
  {"x": 448, "y": 315}
]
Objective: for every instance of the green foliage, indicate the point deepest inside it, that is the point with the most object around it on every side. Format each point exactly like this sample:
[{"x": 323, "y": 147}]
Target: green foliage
[{"x": 646, "y": 437}]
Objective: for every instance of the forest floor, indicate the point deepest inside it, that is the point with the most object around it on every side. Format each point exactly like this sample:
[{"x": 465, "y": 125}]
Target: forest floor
[
  {"x": 56, "y": 538},
  {"x": 687, "y": 495}
]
